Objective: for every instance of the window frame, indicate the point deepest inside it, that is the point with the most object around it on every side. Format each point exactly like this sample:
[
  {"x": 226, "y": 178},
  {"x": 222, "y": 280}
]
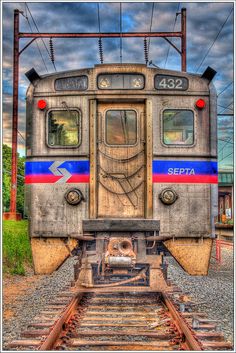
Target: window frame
[
  {"x": 175, "y": 145},
  {"x": 105, "y": 128},
  {"x": 125, "y": 74},
  {"x": 79, "y": 130}
]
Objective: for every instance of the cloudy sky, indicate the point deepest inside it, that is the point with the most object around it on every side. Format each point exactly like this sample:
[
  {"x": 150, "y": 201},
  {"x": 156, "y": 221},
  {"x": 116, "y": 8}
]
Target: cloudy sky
[{"x": 209, "y": 43}]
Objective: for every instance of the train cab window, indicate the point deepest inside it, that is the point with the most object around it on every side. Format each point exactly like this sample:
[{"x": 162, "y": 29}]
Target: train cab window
[
  {"x": 121, "y": 127},
  {"x": 63, "y": 128},
  {"x": 178, "y": 127}
]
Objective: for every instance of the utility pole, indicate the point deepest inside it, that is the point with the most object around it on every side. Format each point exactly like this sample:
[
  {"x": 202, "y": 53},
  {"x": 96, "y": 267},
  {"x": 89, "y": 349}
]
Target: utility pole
[
  {"x": 13, "y": 215},
  {"x": 183, "y": 40},
  {"x": 16, "y": 54}
]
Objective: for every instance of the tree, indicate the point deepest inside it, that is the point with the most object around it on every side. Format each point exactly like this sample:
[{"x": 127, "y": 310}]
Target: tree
[{"x": 6, "y": 180}]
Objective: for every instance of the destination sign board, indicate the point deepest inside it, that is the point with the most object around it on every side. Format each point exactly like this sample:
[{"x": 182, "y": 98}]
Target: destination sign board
[{"x": 75, "y": 83}]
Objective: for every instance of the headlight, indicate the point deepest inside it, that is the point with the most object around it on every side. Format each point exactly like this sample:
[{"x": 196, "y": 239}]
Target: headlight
[
  {"x": 168, "y": 196},
  {"x": 74, "y": 196}
]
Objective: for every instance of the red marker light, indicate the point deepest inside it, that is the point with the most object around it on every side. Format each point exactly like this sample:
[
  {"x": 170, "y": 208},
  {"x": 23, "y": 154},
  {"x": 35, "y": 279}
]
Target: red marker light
[
  {"x": 200, "y": 103},
  {"x": 42, "y": 104}
]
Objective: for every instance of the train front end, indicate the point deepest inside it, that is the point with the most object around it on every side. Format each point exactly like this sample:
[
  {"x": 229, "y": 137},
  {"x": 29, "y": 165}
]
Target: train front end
[{"x": 121, "y": 169}]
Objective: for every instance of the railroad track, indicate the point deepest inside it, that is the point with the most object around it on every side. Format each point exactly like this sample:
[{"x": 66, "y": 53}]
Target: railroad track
[{"x": 121, "y": 321}]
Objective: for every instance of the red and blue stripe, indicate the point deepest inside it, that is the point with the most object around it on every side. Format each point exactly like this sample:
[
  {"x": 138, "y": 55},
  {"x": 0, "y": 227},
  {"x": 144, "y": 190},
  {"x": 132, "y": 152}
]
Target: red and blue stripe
[
  {"x": 164, "y": 171},
  {"x": 189, "y": 172},
  {"x": 39, "y": 172}
]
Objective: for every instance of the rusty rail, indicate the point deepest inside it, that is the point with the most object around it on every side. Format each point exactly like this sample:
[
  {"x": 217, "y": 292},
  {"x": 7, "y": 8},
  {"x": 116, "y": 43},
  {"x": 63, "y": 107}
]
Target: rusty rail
[
  {"x": 191, "y": 342},
  {"x": 115, "y": 321},
  {"x": 56, "y": 330}
]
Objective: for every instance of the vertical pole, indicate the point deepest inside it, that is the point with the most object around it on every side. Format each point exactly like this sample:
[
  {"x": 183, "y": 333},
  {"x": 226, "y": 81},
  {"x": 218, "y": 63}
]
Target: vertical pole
[
  {"x": 217, "y": 251},
  {"x": 183, "y": 40},
  {"x": 15, "y": 113}
]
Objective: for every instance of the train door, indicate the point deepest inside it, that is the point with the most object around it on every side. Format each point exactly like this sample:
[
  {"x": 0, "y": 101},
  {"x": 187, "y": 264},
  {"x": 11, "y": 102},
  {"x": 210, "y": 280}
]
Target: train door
[{"x": 121, "y": 161}]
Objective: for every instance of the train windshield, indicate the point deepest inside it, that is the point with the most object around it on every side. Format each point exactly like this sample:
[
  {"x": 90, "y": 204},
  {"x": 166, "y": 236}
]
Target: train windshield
[
  {"x": 178, "y": 127},
  {"x": 63, "y": 128},
  {"x": 121, "y": 127}
]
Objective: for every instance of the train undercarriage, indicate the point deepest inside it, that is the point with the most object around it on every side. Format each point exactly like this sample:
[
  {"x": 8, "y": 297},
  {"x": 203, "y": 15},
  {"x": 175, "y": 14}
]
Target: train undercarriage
[{"x": 124, "y": 253}]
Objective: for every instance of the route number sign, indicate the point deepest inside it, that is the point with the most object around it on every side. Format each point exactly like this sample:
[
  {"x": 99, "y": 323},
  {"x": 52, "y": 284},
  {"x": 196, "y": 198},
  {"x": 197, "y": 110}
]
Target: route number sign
[{"x": 166, "y": 82}]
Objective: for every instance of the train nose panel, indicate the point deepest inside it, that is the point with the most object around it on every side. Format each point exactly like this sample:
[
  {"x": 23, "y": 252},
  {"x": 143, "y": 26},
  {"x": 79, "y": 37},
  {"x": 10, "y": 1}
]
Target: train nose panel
[{"x": 120, "y": 225}]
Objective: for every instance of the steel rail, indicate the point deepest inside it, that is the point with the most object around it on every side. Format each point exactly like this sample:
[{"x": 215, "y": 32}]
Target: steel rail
[
  {"x": 191, "y": 341},
  {"x": 49, "y": 336},
  {"x": 57, "y": 328}
]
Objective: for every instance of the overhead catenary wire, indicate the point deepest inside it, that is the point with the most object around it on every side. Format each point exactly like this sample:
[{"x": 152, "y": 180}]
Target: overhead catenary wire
[
  {"x": 226, "y": 142},
  {"x": 219, "y": 105},
  {"x": 40, "y": 53},
  {"x": 203, "y": 59},
  {"x": 226, "y": 108},
  {"x": 21, "y": 135},
  {"x": 120, "y": 32},
  {"x": 177, "y": 11},
  {"x": 37, "y": 28},
  {"x": 147, "y": 45},
  {"x": 224, "y": 89},
  {"x": 100, "y": 46},
  {"x": 228, "y": 155}
]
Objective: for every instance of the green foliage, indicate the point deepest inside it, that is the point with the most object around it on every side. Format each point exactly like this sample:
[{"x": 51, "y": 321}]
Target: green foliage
[
  {"x": 16, "y": 247},
  {"x": 7, "y": 180}
]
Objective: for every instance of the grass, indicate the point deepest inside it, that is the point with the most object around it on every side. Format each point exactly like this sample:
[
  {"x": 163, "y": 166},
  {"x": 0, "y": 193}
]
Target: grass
[{"x": 16, "y": 247}]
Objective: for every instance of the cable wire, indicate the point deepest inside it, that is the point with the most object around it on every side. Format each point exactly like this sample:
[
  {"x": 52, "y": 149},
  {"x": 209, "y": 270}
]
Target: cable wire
[
  {"x": 40, "y": 53},
  {"x": 99, "y": 26},
  {"x": 227, "y": 141},
  {"x": 225, "y": 88},
  {"x": 226, "y": 156},
  {"x": 100, "y": 47},
  {"x": 178, "y": 8},
  {"x": 21, "y": 135},
  {"x": 214, "y": 41},
  {"x": 36, "y": 26},
  {"x": 120, "y": 32},
  {"x": 226, "y": 108},
  {"x": 150, "y": 30},
  {"x": 218, "y": 105}
]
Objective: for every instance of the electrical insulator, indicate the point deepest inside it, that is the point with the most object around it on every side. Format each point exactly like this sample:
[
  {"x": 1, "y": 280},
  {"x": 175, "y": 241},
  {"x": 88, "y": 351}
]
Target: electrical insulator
[
  {"x": 100, "y": 50},
  {"x": 51, "y": 50},
  {"x": 145, "y": 50}
]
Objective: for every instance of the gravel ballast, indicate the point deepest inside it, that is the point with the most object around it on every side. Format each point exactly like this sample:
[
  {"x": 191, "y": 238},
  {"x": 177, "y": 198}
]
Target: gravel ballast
[
  {"x": 214, "y": 291},
  {"x": 32, "y": 303}
]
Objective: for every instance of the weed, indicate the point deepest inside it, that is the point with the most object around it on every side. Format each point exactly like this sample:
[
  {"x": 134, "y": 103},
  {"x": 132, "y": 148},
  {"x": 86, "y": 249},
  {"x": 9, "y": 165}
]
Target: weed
[{"x": 16, "y": 247}]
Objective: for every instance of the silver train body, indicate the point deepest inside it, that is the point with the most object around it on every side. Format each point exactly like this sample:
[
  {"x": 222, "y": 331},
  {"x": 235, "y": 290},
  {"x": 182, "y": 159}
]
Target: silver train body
[{"x": 121, "y": 167}]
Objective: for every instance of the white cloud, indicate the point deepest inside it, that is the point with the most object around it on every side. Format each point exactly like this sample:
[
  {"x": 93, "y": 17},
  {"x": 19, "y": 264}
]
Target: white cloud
[{"x": 204, "y": 20}]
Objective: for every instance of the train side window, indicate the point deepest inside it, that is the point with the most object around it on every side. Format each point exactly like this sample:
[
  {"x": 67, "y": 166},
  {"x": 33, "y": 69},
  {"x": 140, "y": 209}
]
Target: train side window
[
  {"x": 121, "y": 127},
  {"x": 63, "y": 128},
  {"x": 178, "y": 127}
]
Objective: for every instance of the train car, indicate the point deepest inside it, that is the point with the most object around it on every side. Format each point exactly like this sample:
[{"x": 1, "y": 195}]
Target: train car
[{"x": 121, "y": 167}]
